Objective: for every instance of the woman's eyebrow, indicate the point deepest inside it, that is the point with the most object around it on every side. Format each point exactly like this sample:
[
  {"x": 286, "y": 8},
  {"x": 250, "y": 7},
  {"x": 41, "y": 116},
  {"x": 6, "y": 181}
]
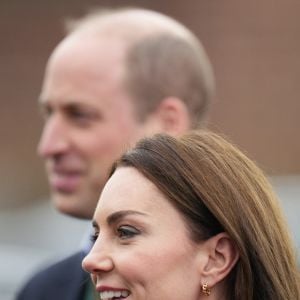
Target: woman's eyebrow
[{"x": 116, "y": 216}]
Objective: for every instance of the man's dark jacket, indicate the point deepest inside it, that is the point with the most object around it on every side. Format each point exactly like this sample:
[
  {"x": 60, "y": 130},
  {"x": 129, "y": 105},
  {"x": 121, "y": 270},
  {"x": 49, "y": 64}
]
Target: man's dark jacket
[{"x": 63, "y": 281}]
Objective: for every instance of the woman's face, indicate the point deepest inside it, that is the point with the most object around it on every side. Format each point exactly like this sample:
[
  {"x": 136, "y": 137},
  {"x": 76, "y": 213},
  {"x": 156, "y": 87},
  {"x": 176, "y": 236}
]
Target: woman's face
[{"x": 142, "y": 248}]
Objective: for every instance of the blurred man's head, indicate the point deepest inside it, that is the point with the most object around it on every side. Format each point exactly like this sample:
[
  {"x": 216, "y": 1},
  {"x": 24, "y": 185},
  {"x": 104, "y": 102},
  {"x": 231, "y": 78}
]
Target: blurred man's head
[{"x": 118, "y": 76}]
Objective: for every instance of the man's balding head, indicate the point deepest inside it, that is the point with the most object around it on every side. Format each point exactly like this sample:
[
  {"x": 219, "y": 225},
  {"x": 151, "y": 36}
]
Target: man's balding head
[
  {"x": 116, "y": 77},
  {"x": 162, "y": 58}
]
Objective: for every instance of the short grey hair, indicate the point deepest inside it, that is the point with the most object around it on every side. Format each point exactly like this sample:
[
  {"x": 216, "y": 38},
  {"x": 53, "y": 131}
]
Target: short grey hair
[{"x": 163, "y": 59}]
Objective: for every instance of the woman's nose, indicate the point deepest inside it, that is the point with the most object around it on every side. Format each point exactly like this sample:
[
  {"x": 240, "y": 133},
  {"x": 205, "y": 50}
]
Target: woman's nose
[{"x": 98, "y": 261}]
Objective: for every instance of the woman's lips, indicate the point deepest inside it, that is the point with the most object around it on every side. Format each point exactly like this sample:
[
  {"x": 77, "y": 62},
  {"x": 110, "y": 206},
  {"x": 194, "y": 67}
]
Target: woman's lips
[{"x": 107, "y": 293}]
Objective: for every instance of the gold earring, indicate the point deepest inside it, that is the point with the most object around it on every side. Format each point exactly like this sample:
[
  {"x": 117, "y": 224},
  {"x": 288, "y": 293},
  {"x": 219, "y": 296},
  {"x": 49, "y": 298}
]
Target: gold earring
[{"x": 205, "y": 289}]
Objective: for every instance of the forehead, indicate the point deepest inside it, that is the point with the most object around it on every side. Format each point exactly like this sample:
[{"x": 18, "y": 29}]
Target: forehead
[
  {"x": 88, "y": 56},
  {"x": 85, "y": 67},
  {"x": 128, "y": 189},
  {"x": 90, "y": 47}
]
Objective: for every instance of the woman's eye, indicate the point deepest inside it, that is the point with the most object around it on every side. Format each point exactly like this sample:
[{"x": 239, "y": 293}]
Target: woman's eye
[
  {"x": 94, "y": 237},
  {"x": 127, "y": 232}
]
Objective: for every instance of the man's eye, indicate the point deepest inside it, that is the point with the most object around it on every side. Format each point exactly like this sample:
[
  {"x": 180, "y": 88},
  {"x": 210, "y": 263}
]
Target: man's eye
[
  {"x": 77, "y": 114},
  {"x": 126, "y": 232}
]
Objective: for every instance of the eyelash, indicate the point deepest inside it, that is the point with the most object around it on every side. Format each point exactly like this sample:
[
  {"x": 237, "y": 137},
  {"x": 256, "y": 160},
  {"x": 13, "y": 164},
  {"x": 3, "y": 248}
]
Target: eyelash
[
  {"x": 94, "y": 237},
  {"x": 123, "y": 232},
  {"x": 78, "y": 114},
  {"x": 126, "y": 232}
]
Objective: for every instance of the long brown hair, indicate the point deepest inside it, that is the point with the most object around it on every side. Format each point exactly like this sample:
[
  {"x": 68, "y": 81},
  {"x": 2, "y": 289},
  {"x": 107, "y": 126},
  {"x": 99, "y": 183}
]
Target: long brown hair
[{"x": 217, "y": 188}]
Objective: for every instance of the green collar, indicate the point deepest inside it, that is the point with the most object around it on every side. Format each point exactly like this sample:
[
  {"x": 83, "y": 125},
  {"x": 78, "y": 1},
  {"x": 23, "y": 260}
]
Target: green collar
[{"x": 90, "y": 292}]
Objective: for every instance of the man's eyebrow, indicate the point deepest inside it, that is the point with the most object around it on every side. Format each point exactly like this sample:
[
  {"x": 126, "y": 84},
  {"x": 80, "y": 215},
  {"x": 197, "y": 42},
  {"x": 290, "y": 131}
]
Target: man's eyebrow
[
  {"x": 42, "y": 99},
  {"x": 43, "y": 104},
  {"x": 43, "y": 107},
  {"x": 115, "y": 217}
]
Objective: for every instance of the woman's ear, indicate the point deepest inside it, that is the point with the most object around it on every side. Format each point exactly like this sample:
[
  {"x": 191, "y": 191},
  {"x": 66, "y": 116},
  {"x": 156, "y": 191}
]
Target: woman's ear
[{"x": 222, "y": 255}]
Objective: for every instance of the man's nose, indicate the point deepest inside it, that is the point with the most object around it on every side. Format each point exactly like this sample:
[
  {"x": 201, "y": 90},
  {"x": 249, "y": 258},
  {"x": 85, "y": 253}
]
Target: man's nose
[{"x": 53, "y": 140}]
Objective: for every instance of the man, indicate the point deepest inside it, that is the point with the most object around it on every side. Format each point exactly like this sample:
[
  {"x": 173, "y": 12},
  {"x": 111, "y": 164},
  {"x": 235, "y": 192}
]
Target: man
[{"x": 116, "y": 77}]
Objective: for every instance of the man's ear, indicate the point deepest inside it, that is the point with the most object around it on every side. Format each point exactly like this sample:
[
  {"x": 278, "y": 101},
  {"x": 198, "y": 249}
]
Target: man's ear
[
  {"x": 172, "y": 116},
  {"x": 222, "y": 255}
]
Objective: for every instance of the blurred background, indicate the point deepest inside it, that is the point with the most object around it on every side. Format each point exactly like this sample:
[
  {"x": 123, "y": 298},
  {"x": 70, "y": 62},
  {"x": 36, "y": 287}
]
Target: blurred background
[{"x": 254, "y": 47}]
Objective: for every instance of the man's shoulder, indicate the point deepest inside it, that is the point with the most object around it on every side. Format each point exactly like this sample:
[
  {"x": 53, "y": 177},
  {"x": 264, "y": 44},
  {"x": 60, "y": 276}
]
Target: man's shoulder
[
  {"x": 58, "y": 270},
  {"x": 65, "y": 277},
  {"x": 67, "y": 265}
]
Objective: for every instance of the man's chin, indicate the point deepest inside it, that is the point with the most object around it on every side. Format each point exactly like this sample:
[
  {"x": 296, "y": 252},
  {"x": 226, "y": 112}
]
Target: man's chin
[{"x": 71, "y": 205}]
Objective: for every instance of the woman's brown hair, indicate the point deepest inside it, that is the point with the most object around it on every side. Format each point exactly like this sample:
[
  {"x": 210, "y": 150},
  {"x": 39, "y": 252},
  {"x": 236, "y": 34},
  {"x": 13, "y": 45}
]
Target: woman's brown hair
[{"x": 218, "y": 189}]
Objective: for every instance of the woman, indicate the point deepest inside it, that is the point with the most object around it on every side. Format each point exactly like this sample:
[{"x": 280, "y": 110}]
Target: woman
[{"x": 188, "y": 218}]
